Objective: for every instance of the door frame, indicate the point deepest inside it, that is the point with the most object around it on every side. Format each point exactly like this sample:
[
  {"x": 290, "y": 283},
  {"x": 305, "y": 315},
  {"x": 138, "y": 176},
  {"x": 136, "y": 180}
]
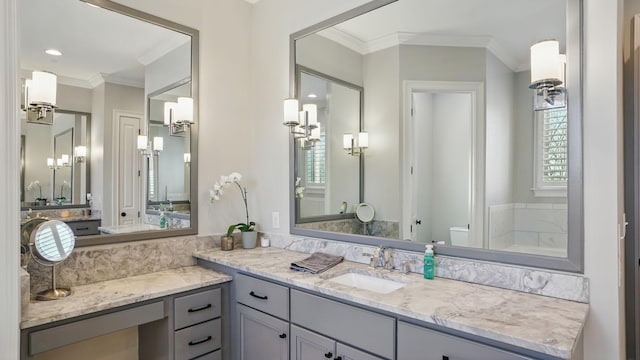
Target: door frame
[
  {"x": 477, "y": 160},
  {"x": 115, "y": 170}
]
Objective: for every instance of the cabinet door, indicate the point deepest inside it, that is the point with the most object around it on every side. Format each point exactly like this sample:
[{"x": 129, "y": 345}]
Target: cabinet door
[
  {"x": 418, "y": 343},
  {"x": 306, "y": 345},
  {"x": 262, "y": 336},
  {"x": 344, "y": 352}
]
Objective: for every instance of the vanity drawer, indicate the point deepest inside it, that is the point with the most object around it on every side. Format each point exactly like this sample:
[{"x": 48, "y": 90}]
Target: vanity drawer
[
  {"x": 262, "y": 295},
  {"x": 216, "y": 355},
  {"x": 84, "y": 227},
  {"x": 196, "y": 308},
  {"x": 345, "y": 323},
  {"x": 198, "y": 340}
]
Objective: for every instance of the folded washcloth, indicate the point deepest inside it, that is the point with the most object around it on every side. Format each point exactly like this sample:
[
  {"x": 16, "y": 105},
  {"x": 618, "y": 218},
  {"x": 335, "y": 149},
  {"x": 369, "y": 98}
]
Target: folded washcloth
[{"x": 316, "y": 263}]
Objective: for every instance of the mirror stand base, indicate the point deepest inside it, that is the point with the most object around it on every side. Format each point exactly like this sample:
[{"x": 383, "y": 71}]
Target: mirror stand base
[{"x": 53, "y": 294}]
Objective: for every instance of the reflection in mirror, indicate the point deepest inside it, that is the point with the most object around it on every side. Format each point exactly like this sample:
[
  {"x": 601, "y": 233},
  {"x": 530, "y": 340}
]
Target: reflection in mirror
[
  {"x": 52, "y": 174},
  {"x": 167, "y": 186},
  {"x": 329, "y": 175},
  {"x": 104, "y": 79},
  {"x": 459, "y": 156}
]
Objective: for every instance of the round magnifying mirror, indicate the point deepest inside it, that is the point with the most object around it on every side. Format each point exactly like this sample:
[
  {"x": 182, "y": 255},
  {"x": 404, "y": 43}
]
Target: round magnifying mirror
[
  {"x": 365, "y": 212},
  {"x": 52, "y": 241}
]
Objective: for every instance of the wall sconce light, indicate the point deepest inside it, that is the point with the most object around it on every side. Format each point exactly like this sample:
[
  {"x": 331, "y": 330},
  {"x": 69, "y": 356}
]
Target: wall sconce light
[
  {"x": 149, "y": 148},
  {"x": 56, "y": 164},
  {"x": 187, "y": 159},
  {"x": 303, "y": 125},
  {"x": 80, "y": 153},
  {"x": 353, "y": 147},
  {"x": 179, "y": 115},
  {"x": 547, "y": 75},
  {"x": 51, "y": 164},
  {"x": 40, "y": 97}
]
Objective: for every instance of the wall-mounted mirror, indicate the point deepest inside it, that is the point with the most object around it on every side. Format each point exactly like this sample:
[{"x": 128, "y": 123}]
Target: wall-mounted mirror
[
  {"x": 106, "y": 80},
  {"x": 456, "y": 154}
]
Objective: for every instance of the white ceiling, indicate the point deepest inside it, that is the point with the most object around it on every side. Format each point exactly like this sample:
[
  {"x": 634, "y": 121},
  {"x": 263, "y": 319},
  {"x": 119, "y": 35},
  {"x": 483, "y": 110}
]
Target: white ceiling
[
  {"x": 96, "y": 43},
  {"x": 507, "y": 27}
]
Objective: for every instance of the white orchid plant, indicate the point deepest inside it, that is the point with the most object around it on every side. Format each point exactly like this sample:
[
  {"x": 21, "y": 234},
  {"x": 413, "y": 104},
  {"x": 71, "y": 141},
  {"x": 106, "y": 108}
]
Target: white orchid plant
[
  {"x": 65, "y": 184},
  {"x": 33, "y": 185},
  {"x": 299, "y": 190},
  {"x": 218, "y": 190}
]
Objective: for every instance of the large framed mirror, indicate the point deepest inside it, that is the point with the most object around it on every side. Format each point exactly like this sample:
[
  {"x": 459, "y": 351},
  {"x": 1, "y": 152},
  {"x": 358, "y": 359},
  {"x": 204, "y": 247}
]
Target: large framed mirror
[
  {"x": 106, "y": 82},
  {"x": 456, "y": 153}
]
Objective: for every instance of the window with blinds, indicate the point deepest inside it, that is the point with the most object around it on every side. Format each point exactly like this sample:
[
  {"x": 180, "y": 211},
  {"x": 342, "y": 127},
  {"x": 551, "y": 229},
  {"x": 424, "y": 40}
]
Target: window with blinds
[
  {"x": 316, "y": 163},
  {"x": 551, "y": 163}
]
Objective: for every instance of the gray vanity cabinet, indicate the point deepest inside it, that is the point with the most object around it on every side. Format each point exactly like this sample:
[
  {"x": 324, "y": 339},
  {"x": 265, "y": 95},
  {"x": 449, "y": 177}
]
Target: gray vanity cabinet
[
  {"x": 419, "y": 343},
  {"x": 197, "y": 324},
  {"x": 307, "y": 345},
  {"x": 262, "y": 336},
  {"x": 263, "y": 313}
]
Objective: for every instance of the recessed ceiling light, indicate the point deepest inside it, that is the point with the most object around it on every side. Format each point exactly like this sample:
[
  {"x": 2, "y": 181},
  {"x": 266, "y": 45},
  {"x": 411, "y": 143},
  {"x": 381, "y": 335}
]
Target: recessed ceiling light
[
  {"x": 53, "y": 52},
  {"x": 312, "y": 96}
]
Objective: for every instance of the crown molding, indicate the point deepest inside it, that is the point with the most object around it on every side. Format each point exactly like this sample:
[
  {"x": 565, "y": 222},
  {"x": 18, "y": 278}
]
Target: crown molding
[
  {"x": 344, "y": 39},
  {"x": 161, "y": 50}
]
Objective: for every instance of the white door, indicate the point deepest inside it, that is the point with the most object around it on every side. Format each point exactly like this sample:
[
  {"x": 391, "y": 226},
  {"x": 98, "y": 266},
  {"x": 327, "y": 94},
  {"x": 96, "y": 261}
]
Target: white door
[{"x": 128, "y": 186}]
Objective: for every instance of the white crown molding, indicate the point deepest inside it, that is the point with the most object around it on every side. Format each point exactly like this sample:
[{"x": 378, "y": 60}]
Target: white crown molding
[
  {"x": 95, "y": 80},
  {"x": 119, "y": 80},
  {"x": 161, "y": 50},
  {"x": 419, "y": 39},
  {"x": 344, "y": 39},
  {"x": 69, "y": 81}
]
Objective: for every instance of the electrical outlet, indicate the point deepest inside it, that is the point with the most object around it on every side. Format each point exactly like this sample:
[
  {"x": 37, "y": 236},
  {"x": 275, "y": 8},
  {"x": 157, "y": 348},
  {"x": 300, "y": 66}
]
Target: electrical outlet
[{"x": 275, "y": 220}]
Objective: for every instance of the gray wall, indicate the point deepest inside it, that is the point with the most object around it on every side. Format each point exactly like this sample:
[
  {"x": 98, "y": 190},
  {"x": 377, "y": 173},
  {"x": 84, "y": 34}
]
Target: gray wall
[{"x": 328, "y": 57}]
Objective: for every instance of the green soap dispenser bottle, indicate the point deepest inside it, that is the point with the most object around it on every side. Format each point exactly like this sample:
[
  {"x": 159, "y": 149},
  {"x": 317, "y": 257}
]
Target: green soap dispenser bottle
[{"x": 429, "y": 263}]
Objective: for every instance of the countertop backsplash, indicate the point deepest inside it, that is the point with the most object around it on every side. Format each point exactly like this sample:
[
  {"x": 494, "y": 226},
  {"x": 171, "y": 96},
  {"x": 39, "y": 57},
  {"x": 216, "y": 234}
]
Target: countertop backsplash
[{"x": 551, "y": 283}]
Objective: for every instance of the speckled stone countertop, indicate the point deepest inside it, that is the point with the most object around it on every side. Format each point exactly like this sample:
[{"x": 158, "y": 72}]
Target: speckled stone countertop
[
  {"x": 105, "y": 295},
  {"x": 543, "y": 324}
]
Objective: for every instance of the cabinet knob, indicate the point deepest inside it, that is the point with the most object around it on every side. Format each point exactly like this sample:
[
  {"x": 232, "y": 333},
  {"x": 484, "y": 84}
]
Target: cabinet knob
[
  {"x": 283, "y": 336},
  {"x": 445, "y": 357},
  {"x": 328, "y": 355},
  {"x": 123, "y": 214}
]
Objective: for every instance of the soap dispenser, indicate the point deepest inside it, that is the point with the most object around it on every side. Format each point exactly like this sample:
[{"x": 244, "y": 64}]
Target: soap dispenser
[{"x": 429, "y": 263}]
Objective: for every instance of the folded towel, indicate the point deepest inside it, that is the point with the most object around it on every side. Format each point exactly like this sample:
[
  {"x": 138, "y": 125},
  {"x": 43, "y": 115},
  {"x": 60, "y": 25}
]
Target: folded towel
[{"x": 316, "y": 263}]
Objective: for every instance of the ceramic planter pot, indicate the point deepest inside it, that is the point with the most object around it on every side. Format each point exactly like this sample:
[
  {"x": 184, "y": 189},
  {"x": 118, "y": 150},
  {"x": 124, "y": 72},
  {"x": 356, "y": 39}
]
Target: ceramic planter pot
[{"x": 249, "y": 239}]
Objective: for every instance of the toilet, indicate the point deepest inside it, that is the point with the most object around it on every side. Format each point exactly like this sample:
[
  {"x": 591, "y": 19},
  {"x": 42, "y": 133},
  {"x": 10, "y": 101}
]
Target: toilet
[{"x": 459, "y": 235}]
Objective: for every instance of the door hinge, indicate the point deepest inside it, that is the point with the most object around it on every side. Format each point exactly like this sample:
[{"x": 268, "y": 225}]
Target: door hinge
[
  {"x": 411, "y": 111},
  {"x": 412, "y": 170},
  {"x": 411, "y": 228},
  {"x": 138, "y": 213},
  {"x": 138, "y": 173}
]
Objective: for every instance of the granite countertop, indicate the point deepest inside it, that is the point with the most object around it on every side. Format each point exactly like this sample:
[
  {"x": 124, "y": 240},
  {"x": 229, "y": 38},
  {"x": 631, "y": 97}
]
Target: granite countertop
[
  {"x": 123, "y": 229},
  {"x": 544, "y": 324},
  {"x": 105, "y": 295}
]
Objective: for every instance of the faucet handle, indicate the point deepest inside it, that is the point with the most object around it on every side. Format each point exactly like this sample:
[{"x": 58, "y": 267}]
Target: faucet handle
[{"x": 406, "y": 266}]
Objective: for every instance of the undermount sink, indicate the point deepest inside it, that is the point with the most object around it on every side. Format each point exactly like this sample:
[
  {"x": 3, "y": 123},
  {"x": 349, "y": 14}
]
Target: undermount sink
[{"x": 368, "y": 282}]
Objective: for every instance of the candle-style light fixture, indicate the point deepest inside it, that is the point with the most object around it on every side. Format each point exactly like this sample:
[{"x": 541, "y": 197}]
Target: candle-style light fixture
[
  {"x": 355, "y": 147},
  {"x": 547, "y": 75},
  {"x": 303, "y": 125},
  {"x": 179, "y": 115},
  {"x": 40, "y": 97},
  {"x": 150, "y": 148},
  {"x": 80, "y": 153}
]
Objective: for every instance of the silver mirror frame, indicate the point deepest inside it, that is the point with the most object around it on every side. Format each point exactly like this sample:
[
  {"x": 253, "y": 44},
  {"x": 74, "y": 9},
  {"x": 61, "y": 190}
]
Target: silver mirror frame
[
  {"x": 575, "y": 251},
  {"x": 195, "y": 40}
]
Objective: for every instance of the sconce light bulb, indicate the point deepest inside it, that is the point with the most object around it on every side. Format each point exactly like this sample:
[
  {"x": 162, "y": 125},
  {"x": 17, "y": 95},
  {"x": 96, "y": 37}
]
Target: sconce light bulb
[
  {"x": 50, "y": 162},
  {"x": 158, "y": 143},
  {"x": 363, "y": 140},
  {"x": 312, "y": 113},
  {"x": 142, "y": 142},
  {"x": 185, "y": 110},
  {"x": 545, "y": 56},
  {"x": 347, "y": 141},
  {"x": 291, "y": 107}
]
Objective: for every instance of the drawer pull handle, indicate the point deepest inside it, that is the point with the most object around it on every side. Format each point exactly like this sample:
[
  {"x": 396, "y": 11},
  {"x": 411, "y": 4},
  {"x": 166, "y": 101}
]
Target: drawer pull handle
[
  {"x": 193, "y": 343},
  {"x": 445, "y": 357},
  {"x": 328, "y": 355},
  {"x": 258, "y": 296},
  {"x": 84, "y": 228},
  {"x": 339, "y": 358},
  {"x": 200, "y": 308},
  {"x": 283, "y": 336}
]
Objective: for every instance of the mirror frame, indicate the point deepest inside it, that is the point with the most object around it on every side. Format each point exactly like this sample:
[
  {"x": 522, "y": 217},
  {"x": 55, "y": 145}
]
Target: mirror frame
[
  {"x": 308, "y": 219},
  {"x": 575, "y": 247},
  {"x": 195, "y": 41}
]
